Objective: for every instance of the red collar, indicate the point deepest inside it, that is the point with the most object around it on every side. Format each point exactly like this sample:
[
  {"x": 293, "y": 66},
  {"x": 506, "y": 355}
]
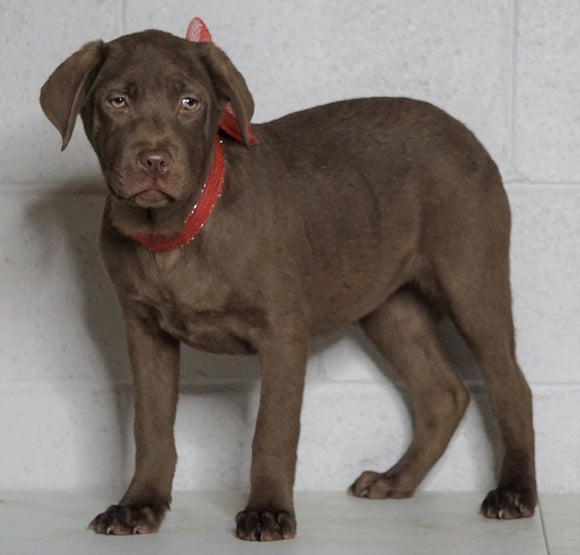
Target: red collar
[
  {"x": 200, "y": 213},
  {"x": 211, "y": 191}
]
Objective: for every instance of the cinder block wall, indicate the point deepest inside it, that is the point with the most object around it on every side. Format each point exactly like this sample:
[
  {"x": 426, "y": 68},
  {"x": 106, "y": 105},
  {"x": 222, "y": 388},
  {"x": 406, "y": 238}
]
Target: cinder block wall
[{"x": 510, "y": 69}]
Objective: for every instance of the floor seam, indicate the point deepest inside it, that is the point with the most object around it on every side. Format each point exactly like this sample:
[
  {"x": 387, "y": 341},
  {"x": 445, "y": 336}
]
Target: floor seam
[{"x": 543, "y": 524}]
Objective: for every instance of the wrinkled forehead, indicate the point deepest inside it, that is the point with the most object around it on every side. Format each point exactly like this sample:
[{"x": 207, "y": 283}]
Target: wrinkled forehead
[{"x": 152, "y": 60}]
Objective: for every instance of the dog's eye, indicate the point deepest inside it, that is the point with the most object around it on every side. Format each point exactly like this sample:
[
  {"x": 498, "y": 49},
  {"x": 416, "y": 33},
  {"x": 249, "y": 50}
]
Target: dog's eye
[
  {"x": 118, "y": 102},
  {"x": 189, "y": 104}
]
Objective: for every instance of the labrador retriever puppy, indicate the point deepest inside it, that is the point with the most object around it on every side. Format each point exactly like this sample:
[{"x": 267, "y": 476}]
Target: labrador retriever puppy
[{"x": 238, "y": 239}]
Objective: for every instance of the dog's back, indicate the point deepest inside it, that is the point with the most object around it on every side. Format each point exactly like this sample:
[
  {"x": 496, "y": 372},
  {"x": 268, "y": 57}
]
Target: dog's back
[{"x": 382, "y": 185}]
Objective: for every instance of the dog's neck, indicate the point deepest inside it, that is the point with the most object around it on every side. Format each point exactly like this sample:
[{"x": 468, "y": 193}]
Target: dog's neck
[{"x": 199, "y": 214}]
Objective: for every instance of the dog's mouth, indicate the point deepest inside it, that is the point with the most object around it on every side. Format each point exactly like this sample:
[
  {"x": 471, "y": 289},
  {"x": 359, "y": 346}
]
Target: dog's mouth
[
  {"x": 150, "y": 198},
  {"x": 146, "y": 198}
]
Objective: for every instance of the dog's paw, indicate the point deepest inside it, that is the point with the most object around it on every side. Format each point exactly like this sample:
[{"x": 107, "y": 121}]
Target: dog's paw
[
  {"x": 509, "y": 502},
  {"x": 265, "y": 525},
  {"x": 379, "y": 485},
  {"x": 132, "y": 519}
]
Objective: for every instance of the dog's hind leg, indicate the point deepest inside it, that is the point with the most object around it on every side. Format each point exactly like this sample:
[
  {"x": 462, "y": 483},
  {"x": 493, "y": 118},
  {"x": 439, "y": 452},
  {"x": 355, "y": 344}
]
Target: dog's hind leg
[
  {"x": 404, "y": 331},
  {"x": 479, "y": 302}
]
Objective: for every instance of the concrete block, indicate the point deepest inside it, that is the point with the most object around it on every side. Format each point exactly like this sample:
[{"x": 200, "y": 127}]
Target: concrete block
[
  {"x": 35, "y": 38},
  {"x": 63, "y": 436},
  {"x": 545, "y": 265},
  {"x": 547, "y": 119},
  {"x": 61, "y": 316},
  {"x": 557, "y": 437}
]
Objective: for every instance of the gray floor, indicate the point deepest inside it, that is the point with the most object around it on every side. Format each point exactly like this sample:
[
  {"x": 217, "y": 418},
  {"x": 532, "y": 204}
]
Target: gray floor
[{"x": 330, "y": 523}]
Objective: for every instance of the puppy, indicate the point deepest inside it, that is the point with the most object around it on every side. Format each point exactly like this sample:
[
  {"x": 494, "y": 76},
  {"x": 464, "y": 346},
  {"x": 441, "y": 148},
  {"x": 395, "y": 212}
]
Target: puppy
[{"x": 240, "y": 239}]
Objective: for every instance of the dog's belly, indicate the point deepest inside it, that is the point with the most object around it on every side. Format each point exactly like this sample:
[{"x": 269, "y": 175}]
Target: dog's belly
[
  {"x": 346, "y": 299},
  {"x": 356, "y": 267}
]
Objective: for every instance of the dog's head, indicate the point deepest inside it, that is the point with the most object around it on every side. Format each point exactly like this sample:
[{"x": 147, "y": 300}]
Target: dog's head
[{"x": 151, "y": 104}]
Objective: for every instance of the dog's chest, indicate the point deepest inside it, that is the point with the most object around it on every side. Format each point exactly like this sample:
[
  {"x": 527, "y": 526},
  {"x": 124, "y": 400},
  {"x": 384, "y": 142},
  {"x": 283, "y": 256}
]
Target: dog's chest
[{"x": 193, "y": 305}]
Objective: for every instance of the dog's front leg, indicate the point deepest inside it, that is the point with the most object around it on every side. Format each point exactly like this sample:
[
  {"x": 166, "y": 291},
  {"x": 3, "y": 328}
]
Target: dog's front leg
[
  {"x": 155, "y": 363},
  {"x": 269, "y": 514}
]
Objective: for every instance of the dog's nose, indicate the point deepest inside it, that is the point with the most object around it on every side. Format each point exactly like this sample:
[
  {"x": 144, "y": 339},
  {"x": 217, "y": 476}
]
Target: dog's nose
[{"x": 156, "y": 162}]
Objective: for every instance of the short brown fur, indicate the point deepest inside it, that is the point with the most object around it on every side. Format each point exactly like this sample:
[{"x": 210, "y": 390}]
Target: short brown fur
[{"x": 376, "y": 210}]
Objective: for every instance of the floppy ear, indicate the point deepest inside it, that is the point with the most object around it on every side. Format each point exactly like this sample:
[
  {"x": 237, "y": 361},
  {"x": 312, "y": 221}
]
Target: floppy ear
[
  {"x": 230, "y": 85},
  {"x": 62, "y": 96}
]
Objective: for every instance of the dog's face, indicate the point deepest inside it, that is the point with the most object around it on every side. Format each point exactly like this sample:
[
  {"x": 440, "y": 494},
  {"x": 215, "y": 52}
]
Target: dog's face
[
  {"x": 150, "y": 114},
  {"x": 151, "y": 104}
]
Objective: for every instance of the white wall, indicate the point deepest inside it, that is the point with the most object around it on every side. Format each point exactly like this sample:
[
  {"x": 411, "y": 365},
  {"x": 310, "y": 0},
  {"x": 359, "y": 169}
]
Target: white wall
[{"x": 510, "y": 69}]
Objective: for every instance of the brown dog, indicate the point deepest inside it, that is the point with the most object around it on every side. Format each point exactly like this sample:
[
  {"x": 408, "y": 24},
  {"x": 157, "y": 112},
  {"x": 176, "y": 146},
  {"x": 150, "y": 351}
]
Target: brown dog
[{"x": 384, "y": 211}]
